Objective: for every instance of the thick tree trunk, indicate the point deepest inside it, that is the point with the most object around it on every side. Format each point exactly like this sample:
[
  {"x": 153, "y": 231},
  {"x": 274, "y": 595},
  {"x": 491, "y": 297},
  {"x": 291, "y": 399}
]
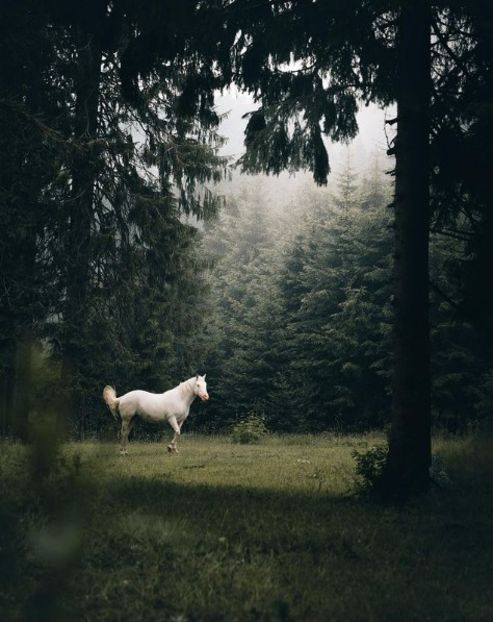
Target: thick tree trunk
[
  {"x": 7, "y": 378},
  {"x": 23, "y": 383},
  {"x": 18, "y": 340},
  {"x": 84, "y": 173},
  {"x": 20, "y": 186},
  {"x": 407, "y": 468}
]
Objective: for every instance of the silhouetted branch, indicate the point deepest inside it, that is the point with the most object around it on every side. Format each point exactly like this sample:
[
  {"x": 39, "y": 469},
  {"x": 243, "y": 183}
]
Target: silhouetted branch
[{"x": 443, "y": 295}]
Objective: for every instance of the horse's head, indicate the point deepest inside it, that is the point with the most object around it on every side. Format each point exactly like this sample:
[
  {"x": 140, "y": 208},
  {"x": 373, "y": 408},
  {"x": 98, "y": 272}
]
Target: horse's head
[{"x": 200, "y": 388}]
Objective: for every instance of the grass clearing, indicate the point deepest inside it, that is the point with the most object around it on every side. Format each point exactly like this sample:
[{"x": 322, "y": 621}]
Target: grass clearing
[{"x": 227, "y": 532}]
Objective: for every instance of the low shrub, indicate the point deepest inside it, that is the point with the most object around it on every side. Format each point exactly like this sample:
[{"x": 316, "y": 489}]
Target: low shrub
[
  {"x": 249, "y": 430},
  {"x": 369, "y": 466}
]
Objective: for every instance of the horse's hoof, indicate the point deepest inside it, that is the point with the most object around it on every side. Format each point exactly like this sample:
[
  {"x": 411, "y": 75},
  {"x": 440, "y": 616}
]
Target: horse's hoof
[{"x": 170, "y": 449}]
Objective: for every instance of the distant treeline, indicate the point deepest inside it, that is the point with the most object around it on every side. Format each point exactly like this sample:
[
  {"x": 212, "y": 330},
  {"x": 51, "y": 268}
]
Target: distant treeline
[{"x": 301, "y": 312}]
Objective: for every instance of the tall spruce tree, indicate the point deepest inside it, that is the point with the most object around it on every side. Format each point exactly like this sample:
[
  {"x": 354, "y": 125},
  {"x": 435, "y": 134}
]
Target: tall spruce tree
[
  {"x": 409, "y": 458},
  {"x": 31, "y": 152},
  {"x": 336, "y": 296},
  {"x": 123, "y": 177}
]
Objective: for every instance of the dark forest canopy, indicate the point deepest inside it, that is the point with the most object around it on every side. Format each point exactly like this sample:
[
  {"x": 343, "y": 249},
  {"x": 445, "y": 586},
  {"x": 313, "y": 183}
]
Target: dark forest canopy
[
  {"x": 95, "y": 248},
  {"x": 108, "y": 120}
]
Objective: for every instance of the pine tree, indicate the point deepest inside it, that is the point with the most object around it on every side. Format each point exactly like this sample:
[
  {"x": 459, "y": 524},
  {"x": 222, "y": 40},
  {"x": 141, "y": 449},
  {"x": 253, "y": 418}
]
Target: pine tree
[
  {"x": 336, "y": 292},
  {"x": 409, "y": 458},
  {"x": 31, "y": 154},
  {"x": 122, "y": 177}
]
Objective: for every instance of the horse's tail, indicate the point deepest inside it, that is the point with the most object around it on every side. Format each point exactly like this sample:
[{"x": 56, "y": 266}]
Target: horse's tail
[{"x": 109, "y": 396}]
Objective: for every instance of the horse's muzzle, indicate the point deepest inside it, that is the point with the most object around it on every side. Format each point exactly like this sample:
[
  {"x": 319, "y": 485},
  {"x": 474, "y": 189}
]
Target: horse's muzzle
[{"x": 204, "y": 397}]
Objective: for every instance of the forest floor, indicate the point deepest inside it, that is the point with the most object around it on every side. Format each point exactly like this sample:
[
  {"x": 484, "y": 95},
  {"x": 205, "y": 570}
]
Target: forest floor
[{"x": 222, "y": 532}]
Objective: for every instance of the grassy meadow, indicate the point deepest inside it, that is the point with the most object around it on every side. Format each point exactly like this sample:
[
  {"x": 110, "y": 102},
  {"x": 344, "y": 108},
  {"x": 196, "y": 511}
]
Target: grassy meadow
[{"x": 226, "y": 532}]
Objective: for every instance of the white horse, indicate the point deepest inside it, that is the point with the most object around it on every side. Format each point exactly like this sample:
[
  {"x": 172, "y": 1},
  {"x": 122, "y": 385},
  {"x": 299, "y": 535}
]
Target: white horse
[{"x": 172, "y": 406}]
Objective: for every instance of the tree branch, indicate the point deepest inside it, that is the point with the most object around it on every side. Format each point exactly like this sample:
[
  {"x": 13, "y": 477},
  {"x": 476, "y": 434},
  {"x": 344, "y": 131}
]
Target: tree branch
[{"x": 443, "y": 295}]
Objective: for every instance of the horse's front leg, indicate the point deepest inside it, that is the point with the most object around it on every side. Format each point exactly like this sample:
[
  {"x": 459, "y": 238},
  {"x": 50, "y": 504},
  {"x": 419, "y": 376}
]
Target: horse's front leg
[{"x": 172, "y": 448}]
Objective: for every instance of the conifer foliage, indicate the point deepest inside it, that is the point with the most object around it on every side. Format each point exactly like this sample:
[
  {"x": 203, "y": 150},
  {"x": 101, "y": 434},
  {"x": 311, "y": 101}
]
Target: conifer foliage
[
  {"x": 108, "y": 275},
  {"x": 300, "y": 303},
  {"x": 303, "y": 315}
]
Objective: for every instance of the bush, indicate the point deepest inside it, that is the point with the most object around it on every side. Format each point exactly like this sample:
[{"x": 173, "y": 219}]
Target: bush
[
  {"x": 249, "y": 431},
  {"x": 369, "y": 466}
]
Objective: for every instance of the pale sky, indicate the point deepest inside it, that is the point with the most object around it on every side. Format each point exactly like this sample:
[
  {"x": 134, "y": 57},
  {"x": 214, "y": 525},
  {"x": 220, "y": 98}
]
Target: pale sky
[{"x": 371, "y": 135}]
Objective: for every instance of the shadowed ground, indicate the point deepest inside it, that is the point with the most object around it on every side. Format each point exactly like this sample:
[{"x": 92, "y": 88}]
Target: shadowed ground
[{"x": 228, "y": 532}]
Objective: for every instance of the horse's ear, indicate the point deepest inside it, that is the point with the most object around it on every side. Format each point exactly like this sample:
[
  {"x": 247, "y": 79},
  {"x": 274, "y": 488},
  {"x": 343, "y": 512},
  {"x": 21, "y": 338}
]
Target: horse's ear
[
  {"x": 204, "y": 376},
  {"x": 196, "y": 376}
]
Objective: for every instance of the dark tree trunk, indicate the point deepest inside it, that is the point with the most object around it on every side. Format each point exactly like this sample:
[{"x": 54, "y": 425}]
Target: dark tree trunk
[
  {"x": 84, "y": 174},
  {"x": 407, "y": 468},
  {"x": 19, "y": 305},
  {"x": 19, "y": 323},
  {"x": 22, "y": 388},
  {"x": 7, "y": 378}
]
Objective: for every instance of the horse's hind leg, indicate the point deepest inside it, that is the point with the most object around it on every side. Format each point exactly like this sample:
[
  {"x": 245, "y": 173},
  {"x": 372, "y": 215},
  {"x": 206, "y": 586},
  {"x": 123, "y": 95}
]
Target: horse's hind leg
[
  {"x": 172, "y": 448},
  {"x": 125, "y": 431}
]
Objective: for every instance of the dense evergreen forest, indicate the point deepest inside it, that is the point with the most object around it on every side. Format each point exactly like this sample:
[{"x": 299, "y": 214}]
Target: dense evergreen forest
[
  {"x": 300, "y": 295},
  {"x": 101, "y": 275},
  {"x": 125, "y": 258}
]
